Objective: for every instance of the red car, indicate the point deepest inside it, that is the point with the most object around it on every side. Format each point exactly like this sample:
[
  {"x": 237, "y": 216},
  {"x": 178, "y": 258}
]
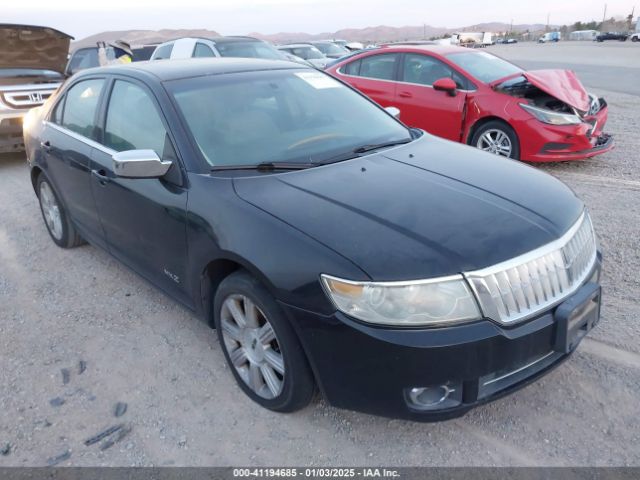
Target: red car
[{"x": 477, "y": 98}]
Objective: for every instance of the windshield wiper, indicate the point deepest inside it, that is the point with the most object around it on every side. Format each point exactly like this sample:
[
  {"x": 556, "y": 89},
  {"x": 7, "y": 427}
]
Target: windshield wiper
[
  {"x": 356, "y": 152},
  {"x": 376, "y": 146},
  {"x": 264, "y": 166}
]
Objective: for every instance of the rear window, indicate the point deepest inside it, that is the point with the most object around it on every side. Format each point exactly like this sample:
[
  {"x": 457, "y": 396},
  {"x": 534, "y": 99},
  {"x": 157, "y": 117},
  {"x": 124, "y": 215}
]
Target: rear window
[
  {"x": 248, "y": 50},
  {"x": 381, "y": 66},
  {"x": 80, "y": 107},
  {"x": 163, "y": 52},
  {"x": 484, "y": 66},
  {"x": 85, "y": 58}
]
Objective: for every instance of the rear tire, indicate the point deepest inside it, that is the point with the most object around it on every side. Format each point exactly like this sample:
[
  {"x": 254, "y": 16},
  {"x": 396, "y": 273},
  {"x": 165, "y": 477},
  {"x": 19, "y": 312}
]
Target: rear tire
[
  {"x": 55, "y": 217},
  {"x": 497, "y": 137},
  {"x": 261, "y": 348}
]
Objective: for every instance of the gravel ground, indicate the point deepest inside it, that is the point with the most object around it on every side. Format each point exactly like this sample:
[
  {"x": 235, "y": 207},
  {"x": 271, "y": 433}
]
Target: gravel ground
[{"x": 79, "y": 333}]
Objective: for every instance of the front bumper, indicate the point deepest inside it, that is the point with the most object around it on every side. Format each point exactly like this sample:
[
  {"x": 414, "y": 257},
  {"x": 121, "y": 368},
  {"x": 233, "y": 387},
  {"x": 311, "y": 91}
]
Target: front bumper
[
  {"x": 11, "y": 130},
  {"x": 549, "y": 143},
  {"x": 371, "y": 369}
]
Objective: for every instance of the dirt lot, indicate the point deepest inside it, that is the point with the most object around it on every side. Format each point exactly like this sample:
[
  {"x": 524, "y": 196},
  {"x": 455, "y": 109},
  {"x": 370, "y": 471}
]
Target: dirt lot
[{"x": 58, "y": 308}]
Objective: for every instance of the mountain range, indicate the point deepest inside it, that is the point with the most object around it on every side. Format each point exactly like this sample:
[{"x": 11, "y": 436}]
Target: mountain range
[{"x": 381, "y": 33}]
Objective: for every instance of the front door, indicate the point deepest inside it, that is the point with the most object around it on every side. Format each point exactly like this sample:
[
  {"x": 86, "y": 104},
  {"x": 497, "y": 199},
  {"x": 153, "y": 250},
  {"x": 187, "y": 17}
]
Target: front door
[
  {"x": 144, "y": 219},
  {"x": 421, "y": 106}
]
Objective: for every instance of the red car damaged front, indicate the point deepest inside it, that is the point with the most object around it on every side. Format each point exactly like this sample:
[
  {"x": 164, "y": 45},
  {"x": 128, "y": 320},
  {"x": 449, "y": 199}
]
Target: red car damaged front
[{"x": 556, "y": 119}]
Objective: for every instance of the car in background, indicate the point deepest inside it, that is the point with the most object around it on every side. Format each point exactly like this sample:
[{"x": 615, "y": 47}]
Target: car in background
[
  {"x": 233, "y": 46},
  {"x": 477, "y": 98},
  {"x": 32, "y": 62},
  {"x": 330, "y": 49},
  {"x": 621, "y": 36},
  {"x": 307, "y": 52},
  {"x": 87, "y": 57},
  {"x": 635, "y": 37},
  {"x": 333, "y": 248},
  {"x": 550, "y": 37},
  {"x": 510, "y": 41}
]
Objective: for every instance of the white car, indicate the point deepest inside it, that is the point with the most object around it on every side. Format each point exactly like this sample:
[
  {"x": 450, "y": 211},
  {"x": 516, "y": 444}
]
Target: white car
[
  {"x": 244, "y": 47},
  {"x": 307, "y": 52},
  {"x": 635, "y": 37}
]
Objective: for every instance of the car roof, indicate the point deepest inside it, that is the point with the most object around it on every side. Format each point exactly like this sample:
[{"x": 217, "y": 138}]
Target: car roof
[
  {"x": 437, "y": 49},
  {"x": 165, "y": 70},
  {"x": 296, "y": 45},
  {"x": 229, "y": 39}
]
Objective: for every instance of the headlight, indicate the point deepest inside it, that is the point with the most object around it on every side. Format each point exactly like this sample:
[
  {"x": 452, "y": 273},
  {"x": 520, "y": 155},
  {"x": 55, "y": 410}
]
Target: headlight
[
  {"x": 553, "y": 118},
  {"x": 444, "y": 300}
]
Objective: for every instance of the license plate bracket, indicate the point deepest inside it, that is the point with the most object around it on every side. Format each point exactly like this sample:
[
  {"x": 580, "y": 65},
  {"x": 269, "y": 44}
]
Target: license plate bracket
[{"x": 576, "y": 316}]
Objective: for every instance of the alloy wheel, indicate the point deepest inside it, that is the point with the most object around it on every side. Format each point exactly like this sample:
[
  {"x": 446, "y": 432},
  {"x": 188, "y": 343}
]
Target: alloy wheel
[
  {"x": 495, "y": 141},
  {"x": 51, "y": 211},
  {"x": 252, "y": 345}
]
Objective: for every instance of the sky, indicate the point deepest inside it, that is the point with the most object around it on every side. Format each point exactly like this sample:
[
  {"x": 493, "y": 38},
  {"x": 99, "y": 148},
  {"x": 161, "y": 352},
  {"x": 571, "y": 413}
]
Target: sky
[{"x": 83, "y": 18}]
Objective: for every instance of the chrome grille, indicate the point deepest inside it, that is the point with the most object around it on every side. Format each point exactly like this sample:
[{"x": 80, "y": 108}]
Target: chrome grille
[
  {"x": 522, "y": 287},
  {"x": 27, "y": 96}
]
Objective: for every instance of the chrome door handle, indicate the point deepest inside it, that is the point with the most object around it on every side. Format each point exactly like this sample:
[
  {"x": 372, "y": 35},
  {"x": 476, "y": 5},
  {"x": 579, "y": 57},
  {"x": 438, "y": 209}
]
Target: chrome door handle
[{"x": 101, "y": 175}]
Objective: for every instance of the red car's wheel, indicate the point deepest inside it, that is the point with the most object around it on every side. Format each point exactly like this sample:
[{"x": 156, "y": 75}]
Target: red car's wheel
[{"x": 498, "y": 138}]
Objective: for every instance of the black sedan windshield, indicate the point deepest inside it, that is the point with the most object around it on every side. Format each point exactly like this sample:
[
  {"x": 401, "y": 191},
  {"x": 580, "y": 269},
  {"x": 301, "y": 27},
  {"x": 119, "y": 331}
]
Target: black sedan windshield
[
  {"x": 484, "y": 66},
  {"x": 280, "y": 116}
]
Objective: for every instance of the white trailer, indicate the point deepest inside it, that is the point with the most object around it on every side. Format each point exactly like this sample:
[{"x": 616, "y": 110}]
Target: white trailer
[{"x": 587, "y": 35}]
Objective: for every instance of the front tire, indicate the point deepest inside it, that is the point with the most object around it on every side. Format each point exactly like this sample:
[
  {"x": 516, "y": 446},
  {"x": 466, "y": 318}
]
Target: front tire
[
  {"x": 497, "y": 137},
  {"x": 260, "y": 346},
  {"x": 55, "y": 217}
]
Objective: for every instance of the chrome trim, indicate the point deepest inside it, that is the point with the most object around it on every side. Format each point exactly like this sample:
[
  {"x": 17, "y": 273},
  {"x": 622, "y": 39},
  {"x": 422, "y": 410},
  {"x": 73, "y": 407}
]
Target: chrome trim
[
  {"x": 77, "y": 136},
  {"x": 395, "y": 81},
  {"x": 514, "y": 372},
  {"x": 402, "y": 283},
  {"x": 544, "y": 284},
  {"x": 29, "y": 87}
]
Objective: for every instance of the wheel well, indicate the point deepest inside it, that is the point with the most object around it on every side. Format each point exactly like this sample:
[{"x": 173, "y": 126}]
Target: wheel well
[
  {"x": 480, "y": 123},
  {"x": 35, "y": 173},
  {"x": 213, "y": 274}
]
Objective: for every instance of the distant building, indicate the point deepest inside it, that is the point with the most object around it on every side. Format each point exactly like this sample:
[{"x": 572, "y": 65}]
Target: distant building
[{"x": 583, "y": 35}]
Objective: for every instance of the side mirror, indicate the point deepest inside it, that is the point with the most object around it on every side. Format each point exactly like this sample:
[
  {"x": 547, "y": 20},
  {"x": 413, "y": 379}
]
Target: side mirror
[
  {"x": 139, "y": 164},
  {"x": 393, "y": 111},
  {"x": 446, "y": 85}
]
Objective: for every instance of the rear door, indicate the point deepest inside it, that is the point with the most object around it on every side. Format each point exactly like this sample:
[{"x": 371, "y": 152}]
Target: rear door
[
  {"x": 68, "y": 140},
  {"x": 421, "y": 106},
  {"x": 375, "y": 76},
  {"x": 144, "y": 219}
]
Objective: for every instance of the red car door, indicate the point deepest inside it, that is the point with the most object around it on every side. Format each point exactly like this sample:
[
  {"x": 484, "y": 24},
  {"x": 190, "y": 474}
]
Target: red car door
[
  {"x": 421, "y": 106},
  {"x": 374, "y": 75}
]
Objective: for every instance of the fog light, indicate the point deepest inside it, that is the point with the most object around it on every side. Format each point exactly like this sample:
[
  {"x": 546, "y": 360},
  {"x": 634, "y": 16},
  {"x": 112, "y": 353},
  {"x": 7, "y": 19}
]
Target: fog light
[{"x": 435, "y": 397}]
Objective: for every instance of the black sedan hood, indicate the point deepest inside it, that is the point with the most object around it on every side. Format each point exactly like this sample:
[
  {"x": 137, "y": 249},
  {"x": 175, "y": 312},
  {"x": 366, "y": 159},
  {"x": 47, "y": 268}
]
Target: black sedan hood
[
  {"x": 31, "y": 47},
  {"x": 425, "y": 209}
]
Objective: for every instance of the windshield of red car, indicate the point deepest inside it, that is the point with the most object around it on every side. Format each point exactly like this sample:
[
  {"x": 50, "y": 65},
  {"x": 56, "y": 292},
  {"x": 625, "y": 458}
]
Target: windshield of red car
[{"x": 484, "y": 66}]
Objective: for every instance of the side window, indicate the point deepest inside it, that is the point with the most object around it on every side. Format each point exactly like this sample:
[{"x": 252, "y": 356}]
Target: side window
[
  {"x": 80, "y": 107},
  {"x": 163, "y": 52},
  {"x": 133, "y": 122},
  {"x": 56, "y": 113},
  {"x": 424, "y": 70},
  {"x": 352, "y": 68},
  {"x": 202, "y": 50},
  {"x": 381, "y": 66}
]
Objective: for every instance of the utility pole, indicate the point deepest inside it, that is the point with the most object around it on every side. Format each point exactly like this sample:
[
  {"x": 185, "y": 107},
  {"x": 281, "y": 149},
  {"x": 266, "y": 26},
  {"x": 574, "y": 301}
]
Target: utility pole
[
  {"x": 548, "y": 17},
  {"x": 424, "y": 31},
  {"x": 604, "y": 15}
]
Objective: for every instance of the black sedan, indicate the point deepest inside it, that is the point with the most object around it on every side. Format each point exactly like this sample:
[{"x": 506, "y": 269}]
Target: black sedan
[
  {"x": 331, "y": 247},
  {"x": 621, "y": 36}
]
